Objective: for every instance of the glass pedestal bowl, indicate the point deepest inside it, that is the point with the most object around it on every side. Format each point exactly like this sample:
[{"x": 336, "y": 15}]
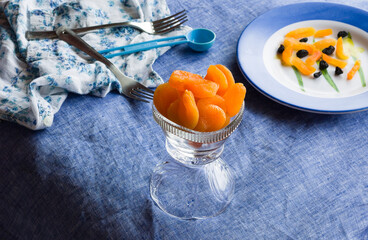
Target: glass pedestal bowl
[{"x": 193, "y": 182}]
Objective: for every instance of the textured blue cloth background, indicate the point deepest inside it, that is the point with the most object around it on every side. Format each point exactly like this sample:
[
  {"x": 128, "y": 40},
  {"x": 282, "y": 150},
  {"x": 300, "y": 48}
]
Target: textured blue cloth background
[{"x": 298, "y": 175}]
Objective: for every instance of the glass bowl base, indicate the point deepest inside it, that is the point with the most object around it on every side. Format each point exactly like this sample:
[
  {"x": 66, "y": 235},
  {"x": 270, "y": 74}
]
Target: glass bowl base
[{"x": 192, "y": 191}]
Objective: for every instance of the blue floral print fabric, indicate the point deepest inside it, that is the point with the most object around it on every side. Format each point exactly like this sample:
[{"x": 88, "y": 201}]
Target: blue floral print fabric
[{"x": 36, "y": 75}]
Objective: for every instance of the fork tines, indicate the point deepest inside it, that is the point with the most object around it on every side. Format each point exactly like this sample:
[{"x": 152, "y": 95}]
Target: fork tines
[
  {"x": 142, "y": 93},
  {"x": 169, "y": 23}
]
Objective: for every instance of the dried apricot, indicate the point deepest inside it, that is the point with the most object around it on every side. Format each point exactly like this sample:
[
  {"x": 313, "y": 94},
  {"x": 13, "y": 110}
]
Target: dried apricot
[
  {"x": 211, "y": 118},
  {"x": 303, "y": 68},
  {"x": 353, "y": 70},
  {"x": 208, "y": 112},
  {"x": 296, "y": 45},
  {"x": 200, "y": 87},
  {"x": 333, "y": 61},
  {"x": 314, "y": 57},
  {"x": 286, "y": 56},
  {"x": 228, "y": 74},
  {"x": 164, "y": 95},
  {"x": 323, "y": 33},
  {"x": 216, "y": 100},
  {"x": 214, "y": 74},
  {"x": 187, "y": 110},
  {"x": 340, "y": 50},
  {"x": 324, "y": 43},
  {"x": 227, "y": 121},
  {"x": 172, "y": 111},
  {"x": 234, "y": 98},
  {"x": 301, "y": 32},
  {"x": 289, "y": 42}
]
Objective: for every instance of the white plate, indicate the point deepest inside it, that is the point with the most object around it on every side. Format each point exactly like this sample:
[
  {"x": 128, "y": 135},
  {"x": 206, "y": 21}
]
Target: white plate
[{"x": 258, "y": 43}]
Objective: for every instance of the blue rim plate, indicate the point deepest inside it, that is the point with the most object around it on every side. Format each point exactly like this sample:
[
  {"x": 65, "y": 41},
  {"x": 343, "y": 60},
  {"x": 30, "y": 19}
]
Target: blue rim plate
[{"x": 250, "y": 55}]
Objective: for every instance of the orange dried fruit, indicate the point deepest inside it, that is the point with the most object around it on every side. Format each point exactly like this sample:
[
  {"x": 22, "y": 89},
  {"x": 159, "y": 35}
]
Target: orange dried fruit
[
  {"x": 187, "y": 110},
  {"x": 286, "y": 56},
  {"x": 303, "y": 46},
  {"x": 200, "y": 87},
  {"x": 227, "y": 121},
  {"x": 216, "y": 100},
  {"x": 211, "y": 118},
  {"x": 303, "y": 68},
  {"x": 234, "y": 98},
  {"x": 334, "y": 61},
  {"x": 353, "y": 70},
  {"x": 214, "y": 74},
  {"x": 203, "y": 113},
  {"x": 340, "y": 50},
  {"x": 323, "y": 33},
  {"x": 164, "y": 95},
  {"x": 289, "y": 42},
  {"x": 301, "y": 32},
  {"x": 228, "y": 74},
  {"x": 172, "y": 111},
  {"x": 314, "y": 57},
  {"x": 296, "y": 45},
  {"x": 324, "y": 43}
]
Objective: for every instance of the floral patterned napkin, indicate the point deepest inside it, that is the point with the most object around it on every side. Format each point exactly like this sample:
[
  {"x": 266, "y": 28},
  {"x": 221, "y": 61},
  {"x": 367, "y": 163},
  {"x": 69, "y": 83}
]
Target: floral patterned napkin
[{"x": 36, "y": 75}]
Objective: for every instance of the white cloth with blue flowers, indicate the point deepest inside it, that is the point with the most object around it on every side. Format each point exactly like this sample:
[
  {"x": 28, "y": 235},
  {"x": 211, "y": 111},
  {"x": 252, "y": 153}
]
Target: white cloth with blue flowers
[{"x": 36, "y": 75}]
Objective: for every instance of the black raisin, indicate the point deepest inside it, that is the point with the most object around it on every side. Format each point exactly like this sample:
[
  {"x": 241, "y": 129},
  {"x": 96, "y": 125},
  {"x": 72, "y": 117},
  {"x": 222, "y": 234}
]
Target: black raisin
[
  {"x": 302, "y": 53},
  {"x": 338, "y": 71},
  {"x": 342, "y": 34},
  {"x": 323, "y": 65},
  {"x": 317, "y": 74},
  {"x": 281, "y": 49},
  {"x": 303, "y": 40},
  {"x": 329, "y": 50}
]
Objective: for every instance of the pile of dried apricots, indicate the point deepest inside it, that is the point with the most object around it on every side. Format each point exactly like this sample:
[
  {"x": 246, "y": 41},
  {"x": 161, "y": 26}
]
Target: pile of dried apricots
[{"x": 202, "y": 104}]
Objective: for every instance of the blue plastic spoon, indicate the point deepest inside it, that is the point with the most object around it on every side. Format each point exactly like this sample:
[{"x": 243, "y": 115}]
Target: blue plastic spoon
[{"x": 199, "y": 40}]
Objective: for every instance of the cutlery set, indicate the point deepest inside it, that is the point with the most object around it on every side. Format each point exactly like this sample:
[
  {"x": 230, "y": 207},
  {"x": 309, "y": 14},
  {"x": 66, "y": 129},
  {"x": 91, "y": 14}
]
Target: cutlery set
[{"x": 198, "y": 39}]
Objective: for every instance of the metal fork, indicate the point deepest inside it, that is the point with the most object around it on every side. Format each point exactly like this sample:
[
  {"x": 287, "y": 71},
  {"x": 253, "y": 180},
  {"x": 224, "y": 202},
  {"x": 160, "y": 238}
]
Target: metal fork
[
  {"x": 130, "y": 87},
  {"x": 156, "y": 27}
]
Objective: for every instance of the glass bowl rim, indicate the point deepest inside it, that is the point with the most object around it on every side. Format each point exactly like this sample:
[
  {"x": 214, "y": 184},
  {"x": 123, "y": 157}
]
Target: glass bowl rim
[{"x": 196, "y": 136}]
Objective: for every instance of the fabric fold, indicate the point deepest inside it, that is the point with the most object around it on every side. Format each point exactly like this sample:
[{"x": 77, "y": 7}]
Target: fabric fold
[{"x": 36, "y": 75}]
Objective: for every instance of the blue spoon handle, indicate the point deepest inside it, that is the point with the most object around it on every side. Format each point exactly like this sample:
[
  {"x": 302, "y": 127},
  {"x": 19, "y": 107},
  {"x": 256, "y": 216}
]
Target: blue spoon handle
[{"x": 137, "y": 47}]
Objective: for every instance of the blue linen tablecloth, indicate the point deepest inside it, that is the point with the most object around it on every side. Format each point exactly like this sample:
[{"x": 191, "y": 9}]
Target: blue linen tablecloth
[{"x": 299, "y": 175}]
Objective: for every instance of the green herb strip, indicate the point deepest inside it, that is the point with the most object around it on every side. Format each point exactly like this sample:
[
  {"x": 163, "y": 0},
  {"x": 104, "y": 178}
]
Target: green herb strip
[
  {"x": 328, "y": 78},
  {"x": 362, "y": 79},
  {"x": 299, "y": 77}
]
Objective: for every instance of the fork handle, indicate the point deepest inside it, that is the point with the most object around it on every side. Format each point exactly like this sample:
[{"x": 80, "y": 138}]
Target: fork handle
[
  {"x": 31, "y": 35},
  {"x": 73, "y": 39}
]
